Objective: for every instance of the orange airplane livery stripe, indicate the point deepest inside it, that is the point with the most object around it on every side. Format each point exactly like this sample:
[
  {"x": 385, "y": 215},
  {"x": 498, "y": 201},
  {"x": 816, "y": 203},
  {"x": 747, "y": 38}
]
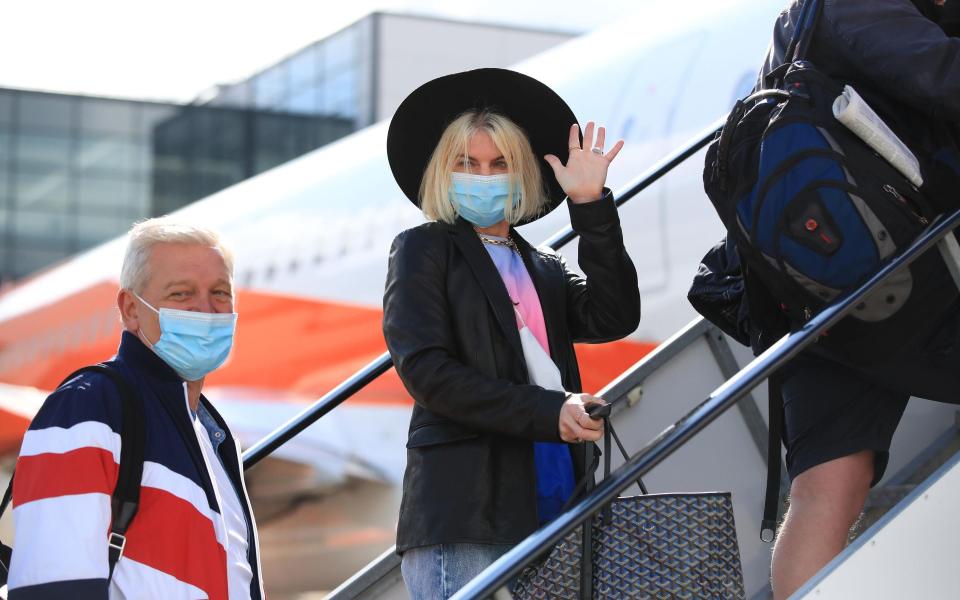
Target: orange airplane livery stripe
[{"x": 285, "y": 347}]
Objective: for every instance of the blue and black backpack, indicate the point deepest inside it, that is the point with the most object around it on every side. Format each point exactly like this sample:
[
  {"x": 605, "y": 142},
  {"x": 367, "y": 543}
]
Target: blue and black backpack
[{"x": 814, "y": 211}]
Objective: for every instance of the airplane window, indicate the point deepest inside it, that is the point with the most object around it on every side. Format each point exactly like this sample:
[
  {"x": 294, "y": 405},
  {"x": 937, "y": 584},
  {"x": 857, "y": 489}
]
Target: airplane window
[
  {"x": 317, "y": 259},
  {"x": 247, "y": 279},
  {"x": 268, "y": 274},
  {"x": 294, "y": 265}
]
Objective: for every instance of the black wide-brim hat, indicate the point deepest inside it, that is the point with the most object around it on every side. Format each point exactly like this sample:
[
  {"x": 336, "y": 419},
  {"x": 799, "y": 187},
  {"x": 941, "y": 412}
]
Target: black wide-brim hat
[{"x": 421, "y": 119}]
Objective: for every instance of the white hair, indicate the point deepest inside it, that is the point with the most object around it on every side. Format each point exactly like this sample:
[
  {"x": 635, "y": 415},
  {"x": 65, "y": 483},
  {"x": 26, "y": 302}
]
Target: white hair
[{"x": 144, "y": 235}]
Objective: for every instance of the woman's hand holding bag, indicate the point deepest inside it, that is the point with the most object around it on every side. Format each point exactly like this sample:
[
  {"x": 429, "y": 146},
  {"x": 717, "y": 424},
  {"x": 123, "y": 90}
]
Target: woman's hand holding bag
[{"x": 575, "y": 423}]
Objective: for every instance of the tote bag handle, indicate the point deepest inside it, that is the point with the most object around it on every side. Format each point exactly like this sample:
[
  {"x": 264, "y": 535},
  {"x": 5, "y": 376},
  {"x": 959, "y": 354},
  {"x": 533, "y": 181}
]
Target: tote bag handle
[{"x": 601, "y": 411}]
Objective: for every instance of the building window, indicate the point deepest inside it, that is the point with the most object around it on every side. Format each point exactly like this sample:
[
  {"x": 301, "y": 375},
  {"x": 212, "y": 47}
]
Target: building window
[{"x": 45, "y": 111}]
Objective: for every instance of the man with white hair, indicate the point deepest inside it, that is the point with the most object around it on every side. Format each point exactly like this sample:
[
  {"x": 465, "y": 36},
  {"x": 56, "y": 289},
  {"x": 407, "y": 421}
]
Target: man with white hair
[{"x": 188, "y": 531}]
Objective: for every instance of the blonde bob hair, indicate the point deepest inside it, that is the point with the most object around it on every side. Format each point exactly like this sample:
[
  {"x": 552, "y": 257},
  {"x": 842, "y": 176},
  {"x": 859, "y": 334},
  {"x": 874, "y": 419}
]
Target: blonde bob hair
[{"x": 510, "y": 139}]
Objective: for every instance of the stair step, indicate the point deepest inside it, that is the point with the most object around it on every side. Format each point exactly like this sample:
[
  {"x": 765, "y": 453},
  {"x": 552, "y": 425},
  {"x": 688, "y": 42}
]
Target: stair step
[{"x": 888, "y": 495}]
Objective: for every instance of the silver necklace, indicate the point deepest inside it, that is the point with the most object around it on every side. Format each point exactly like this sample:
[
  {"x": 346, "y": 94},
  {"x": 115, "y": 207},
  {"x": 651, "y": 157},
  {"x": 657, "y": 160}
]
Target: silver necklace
[{"x": 509, "y": 243}]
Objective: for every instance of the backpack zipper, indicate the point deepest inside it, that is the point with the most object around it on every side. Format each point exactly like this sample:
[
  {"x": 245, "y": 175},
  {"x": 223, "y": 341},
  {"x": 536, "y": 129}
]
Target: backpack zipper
[{"x": 905, "y": 202}]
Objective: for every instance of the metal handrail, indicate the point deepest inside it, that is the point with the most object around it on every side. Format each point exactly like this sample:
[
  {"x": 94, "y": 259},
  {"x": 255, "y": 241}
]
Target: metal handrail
[
  {"x": 510, "y": 564},
  {"x": 382, "y": 364}
]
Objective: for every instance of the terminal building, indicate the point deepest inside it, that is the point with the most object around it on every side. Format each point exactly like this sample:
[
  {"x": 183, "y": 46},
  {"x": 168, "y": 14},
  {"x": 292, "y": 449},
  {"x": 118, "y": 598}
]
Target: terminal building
[{"x": 78, "y": 170}]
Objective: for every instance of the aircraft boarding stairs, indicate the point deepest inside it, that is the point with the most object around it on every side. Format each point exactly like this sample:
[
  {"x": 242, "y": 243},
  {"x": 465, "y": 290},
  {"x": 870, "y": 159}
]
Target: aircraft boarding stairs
[
  {"x": 729, "y": 455},
  {"x": 712, "y": 449}
]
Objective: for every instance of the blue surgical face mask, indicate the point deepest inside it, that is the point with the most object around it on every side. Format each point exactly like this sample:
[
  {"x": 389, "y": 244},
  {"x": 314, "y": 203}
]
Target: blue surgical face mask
[
  {"x": 481, "y": 199},
  {"x": 192, "y": 343}
]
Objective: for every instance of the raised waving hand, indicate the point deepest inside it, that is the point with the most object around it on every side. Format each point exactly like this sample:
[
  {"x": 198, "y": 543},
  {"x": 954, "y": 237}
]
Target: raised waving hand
[{"x": 585, "y": 173}]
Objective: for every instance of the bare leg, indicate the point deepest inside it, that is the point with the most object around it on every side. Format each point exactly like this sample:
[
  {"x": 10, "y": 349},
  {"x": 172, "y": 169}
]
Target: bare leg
[{"x": 825, "y": 502}]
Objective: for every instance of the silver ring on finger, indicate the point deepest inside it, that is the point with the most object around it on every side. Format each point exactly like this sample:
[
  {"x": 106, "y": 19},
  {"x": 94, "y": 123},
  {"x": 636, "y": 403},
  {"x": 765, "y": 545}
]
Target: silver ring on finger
[{"x": 597, "y": 150}]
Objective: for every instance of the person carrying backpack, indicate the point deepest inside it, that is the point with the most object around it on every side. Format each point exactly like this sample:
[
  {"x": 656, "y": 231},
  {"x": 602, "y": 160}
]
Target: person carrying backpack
[
  {"x": 129, "y": 483},
  {"x": 844, "y": 396}
]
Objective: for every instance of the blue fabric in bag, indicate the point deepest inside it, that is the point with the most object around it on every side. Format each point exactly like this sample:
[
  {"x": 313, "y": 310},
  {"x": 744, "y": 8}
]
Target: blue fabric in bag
[{"x": 554, "y": 478}]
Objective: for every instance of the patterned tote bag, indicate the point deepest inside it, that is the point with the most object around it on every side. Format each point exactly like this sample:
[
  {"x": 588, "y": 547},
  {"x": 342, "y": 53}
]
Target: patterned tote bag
[{"x": 662, "y": 546}]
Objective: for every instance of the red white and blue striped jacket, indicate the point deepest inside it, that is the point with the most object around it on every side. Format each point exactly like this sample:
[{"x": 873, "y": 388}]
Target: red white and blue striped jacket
[{"x": 67, "y": 470}]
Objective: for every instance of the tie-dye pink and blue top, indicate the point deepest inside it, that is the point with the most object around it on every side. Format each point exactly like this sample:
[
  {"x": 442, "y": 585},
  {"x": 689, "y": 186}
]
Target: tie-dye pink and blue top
[{"x": 553, "y": 463}]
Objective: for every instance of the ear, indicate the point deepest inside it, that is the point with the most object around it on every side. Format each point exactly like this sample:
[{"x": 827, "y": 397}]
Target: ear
[{"x": 128, "y": 310}]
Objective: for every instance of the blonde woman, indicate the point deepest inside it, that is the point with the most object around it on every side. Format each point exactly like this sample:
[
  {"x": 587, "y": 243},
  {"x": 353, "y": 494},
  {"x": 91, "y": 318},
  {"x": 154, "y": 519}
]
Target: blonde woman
[{"x": 481, "y": 324}]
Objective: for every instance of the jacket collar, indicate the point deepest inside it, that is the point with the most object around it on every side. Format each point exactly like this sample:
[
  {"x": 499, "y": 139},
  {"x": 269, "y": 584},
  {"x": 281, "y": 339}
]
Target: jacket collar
[
  {"x": 168, "y": 388},
  {"x": 134, "y": 352}
]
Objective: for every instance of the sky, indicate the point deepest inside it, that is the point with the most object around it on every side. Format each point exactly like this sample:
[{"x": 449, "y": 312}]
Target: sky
[{"x": 177, "y": 49}]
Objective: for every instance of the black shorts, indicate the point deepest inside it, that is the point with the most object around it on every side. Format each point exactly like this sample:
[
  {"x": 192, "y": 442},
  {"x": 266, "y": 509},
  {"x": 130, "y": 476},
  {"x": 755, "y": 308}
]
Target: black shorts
[{"x": 833, "y": 410}]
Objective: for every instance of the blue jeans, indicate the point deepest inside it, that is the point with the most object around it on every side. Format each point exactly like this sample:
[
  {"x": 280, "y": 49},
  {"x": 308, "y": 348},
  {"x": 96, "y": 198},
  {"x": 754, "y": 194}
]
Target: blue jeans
[{"x": 437, "y": 572}]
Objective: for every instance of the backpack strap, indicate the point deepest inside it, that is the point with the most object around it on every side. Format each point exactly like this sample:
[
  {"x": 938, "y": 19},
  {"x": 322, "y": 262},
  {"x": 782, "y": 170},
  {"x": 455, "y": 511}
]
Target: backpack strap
[
  {"x": 799, "y": 44},
  {"x": 771, "y": 501},
  {"x": 803, "y": 31},
  {"x": 126, "y": 495},
  {"x": 6, "y": 552},
  {"x": 725, "y": 137}
]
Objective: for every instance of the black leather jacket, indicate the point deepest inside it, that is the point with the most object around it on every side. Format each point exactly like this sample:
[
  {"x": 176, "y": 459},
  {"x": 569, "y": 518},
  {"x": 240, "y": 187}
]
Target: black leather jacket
[{"x": 452, "y": 333}]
